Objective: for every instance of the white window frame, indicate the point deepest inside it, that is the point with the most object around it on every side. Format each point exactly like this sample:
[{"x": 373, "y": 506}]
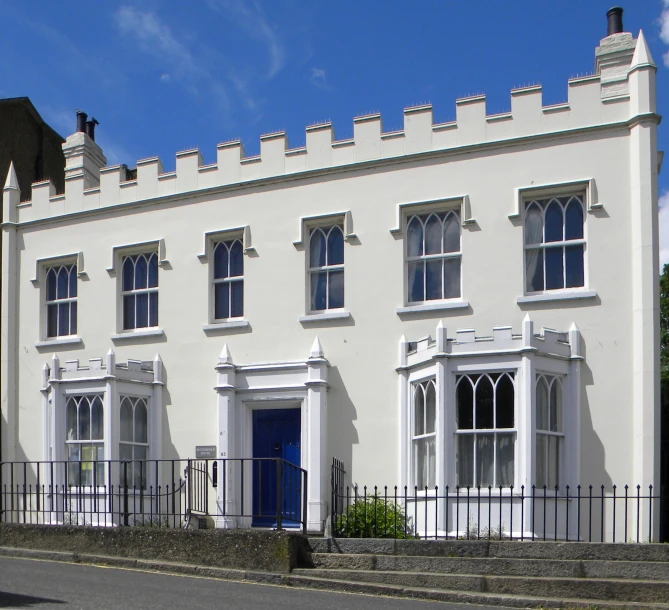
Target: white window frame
[
  {"x": 419, "y": 439},
  {"x": 559, "y": 192},
  {"x": 42, "y": 267},
  {"x": 72, "y": 263},
  {"x": 134, "y": 400},
  {"x": 227, "y": 243},
  {"x": 427, "y": 212},
  {"x": 148, "y": 255},
  {"x": 494, "y": 431},
  {"x": 559, "y": 434},
  {"x": 211, "y": 239},
  {"x": 89, "y": 398},
  {"x": 325, "y": 229},
  {"x": 116, "y": 270}
]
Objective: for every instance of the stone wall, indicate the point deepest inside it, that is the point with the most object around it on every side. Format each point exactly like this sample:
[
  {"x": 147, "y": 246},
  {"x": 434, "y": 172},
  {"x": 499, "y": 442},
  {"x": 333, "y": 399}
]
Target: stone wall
[{"x": 239, "y": 549}]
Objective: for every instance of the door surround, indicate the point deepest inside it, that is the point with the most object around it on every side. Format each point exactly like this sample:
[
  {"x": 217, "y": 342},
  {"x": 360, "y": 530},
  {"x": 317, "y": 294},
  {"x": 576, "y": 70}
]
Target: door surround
[{"x": 242, "y": 388}]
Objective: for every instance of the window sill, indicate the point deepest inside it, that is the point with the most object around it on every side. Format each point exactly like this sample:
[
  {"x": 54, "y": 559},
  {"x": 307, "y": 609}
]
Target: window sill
[
  {"x": 438, "y": 306},
  {"x": 565, "y": 295},
  {"x": 324, "y": 317},
  {"x": 224, "y": 326},
  {"x": 59, "y": 342},
  {"x": 138, "y": 334}
]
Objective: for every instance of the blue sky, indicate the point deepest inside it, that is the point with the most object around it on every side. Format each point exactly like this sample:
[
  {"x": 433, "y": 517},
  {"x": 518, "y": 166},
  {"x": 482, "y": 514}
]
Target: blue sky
[{"x": 163, "y": 76}]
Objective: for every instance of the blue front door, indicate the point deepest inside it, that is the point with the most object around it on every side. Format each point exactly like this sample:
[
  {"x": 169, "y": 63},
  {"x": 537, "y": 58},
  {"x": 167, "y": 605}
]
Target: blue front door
[{"x": 276, "y": 434}]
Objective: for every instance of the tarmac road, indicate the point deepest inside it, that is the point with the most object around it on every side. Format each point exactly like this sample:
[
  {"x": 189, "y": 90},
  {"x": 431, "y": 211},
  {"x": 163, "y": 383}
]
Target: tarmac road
[{"x": 28, "y": 583}]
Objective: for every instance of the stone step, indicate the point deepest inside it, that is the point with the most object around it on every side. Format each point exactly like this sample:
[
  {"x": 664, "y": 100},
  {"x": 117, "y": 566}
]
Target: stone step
[
  {"x": 648, "y": 591},
  {"x": 496, "y": 566},
  {"x": 467, "y": 597},
  {"x": 504, "y": 549}
]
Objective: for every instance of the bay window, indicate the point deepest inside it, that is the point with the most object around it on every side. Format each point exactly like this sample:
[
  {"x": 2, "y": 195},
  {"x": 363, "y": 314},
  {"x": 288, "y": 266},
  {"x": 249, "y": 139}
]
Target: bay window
[
  {"x": 424, "y": 434},
  {"x": 485, "y": 422}
]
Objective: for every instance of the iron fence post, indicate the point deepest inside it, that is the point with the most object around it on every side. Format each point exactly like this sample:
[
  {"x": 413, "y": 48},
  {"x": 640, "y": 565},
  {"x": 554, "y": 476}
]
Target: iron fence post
[
  {"x": 304, "y": 503},
  {"x": 126, "y": 515},
  {"x": 279, "y": 494}
]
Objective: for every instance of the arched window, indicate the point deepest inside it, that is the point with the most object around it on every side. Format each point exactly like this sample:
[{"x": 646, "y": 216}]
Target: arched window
[
  {"x": 486, "y": 434},
  {"x": 228, "y": 279},
  {"x": 61, "y": 301},
  {"x": 424, "y": 434},
  {"x": 326, "y": 268},
  {"x": 134, "y": 441},
  {"x": 550, "y": 431},
  {"x": 554, "y": 243},
  {"x": 84, "y": 440},
  {"x": 140, "y": 291},
  {"x": 433, "y": 256}
]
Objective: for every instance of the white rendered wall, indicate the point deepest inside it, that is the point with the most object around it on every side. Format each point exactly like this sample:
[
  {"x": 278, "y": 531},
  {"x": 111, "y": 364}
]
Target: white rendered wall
[{"x": 362, "y": 400}]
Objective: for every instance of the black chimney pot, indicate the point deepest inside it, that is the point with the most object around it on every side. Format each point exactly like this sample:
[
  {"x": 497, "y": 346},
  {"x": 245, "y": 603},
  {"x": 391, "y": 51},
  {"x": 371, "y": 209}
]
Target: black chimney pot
[
  {"x": 90, "y": 128},
  {"x": 81, "y": 121},
  {"x": 614, "y": 18}
]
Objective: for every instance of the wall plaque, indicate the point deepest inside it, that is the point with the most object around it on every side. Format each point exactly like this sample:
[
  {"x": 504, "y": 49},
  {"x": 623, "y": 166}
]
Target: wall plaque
[{"x": 205, "y": 452}]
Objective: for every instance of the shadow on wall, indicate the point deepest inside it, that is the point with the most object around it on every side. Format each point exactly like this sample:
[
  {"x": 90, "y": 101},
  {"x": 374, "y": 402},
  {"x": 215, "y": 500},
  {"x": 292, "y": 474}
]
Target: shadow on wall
[
  {"x": 593, "y": 464},
  {"x": 341, "y": 431},
  {"x": 169, "y": 451}
]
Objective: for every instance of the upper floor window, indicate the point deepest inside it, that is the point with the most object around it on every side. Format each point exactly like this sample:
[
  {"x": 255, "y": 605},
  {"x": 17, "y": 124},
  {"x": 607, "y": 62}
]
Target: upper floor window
[
  {"x": 140, "y": 290},
  {"x": 228, "y": 281},
  {"x": 433, "y": 256},
  {"x": 84, "y": 440},
  {"x": 61, "y": 301},
  {"x": 550, "y": 431},
  {"x": 554, "y": 243},
  {"x": 326, "y": 268},
  {"x": 424, "y": 434},
  {"x": 485, "y": 426}
]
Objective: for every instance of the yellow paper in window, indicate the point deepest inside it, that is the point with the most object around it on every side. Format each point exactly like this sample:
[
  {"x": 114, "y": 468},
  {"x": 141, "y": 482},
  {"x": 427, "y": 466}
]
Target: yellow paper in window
[{"x": 87, "y": 457}]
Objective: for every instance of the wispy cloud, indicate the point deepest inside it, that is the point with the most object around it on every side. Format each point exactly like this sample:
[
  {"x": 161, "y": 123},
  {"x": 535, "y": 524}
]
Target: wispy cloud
[
  {"x": 318, "y": 78},
  {"x": 663, "y": 23},
  {"x": 155, "y": 38},
  {"x": 249, "y": 17},
  {"x": 664, "y": 228}
]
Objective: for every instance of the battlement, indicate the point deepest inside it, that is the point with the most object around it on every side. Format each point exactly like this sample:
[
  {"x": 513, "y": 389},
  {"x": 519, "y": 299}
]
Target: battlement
[
  {"x": 588, "y": 105},
  {"x": 549, "y": 342},
  {"x": 143, "y": 371}
]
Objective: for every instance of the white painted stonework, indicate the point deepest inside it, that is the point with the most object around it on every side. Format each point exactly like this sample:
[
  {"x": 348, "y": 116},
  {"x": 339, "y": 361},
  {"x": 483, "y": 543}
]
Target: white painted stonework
[{"x": 340, "y": 366}]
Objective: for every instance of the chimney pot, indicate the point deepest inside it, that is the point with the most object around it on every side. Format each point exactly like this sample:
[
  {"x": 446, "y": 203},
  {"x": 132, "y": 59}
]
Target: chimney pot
[
  {"x": 81, "y": 121},
  {"x": 614, "y": 19},
  {"x": 90, "y": 128}
]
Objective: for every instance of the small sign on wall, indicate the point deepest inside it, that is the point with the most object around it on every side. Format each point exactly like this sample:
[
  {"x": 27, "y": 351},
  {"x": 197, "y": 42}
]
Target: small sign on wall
[{"x": 205, "y": 452}]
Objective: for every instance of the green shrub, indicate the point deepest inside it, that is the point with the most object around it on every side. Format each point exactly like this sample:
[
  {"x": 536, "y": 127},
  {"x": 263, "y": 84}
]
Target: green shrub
[{"x": 373, "y": 517}]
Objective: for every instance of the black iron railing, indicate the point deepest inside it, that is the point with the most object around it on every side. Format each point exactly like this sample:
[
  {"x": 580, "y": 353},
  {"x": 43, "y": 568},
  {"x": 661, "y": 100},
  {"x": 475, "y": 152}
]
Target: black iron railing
[
  {"x": 265, "y": 492},
  {"x": 581, "y": 513}
]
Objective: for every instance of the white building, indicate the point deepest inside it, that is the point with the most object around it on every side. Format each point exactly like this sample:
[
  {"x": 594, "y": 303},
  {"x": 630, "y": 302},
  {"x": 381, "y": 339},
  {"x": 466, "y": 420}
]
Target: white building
[{"x": 466, "y": 303}]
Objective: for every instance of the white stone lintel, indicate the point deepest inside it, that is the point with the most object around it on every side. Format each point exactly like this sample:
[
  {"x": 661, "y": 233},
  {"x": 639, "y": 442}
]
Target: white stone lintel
[
  {"x": 414, "y": 207},
  {"x": 307, "y": 222}
]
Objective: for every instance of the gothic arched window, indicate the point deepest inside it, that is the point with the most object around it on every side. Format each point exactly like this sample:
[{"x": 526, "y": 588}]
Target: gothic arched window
[
  {"x": 433, "y": 256},
  {"x": 140, "y": 290}
]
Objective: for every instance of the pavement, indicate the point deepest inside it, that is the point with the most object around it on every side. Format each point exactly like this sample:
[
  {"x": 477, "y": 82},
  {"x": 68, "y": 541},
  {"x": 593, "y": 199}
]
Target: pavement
[{"x": 31, "y": 583}]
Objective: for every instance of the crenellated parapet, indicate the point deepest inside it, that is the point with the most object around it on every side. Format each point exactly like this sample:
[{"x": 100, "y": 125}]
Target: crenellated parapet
[
  {"x": 141, "y": 371},
  {"x": 563, "y": 345},
  {"x": 614, "y": 95}
]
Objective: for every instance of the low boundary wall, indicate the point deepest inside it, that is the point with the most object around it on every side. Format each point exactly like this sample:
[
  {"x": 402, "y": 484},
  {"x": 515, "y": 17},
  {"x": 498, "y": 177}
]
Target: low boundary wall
[{"x": 277, "y": 552}]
